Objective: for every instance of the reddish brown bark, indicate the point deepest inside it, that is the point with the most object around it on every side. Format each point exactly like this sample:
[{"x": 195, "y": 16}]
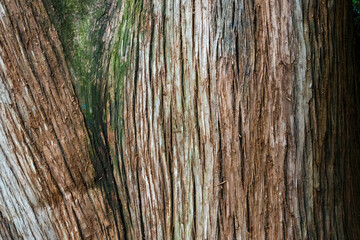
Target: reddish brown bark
[
  {"x": 49, "y": 188},
  {"x": 205, "y": 119}
]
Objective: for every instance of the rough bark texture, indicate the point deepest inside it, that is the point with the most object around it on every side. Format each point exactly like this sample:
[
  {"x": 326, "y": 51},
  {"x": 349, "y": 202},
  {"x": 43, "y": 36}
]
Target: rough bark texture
[
  {"x": 49, "y": 188},
  {"x": 202, "y": 119}
]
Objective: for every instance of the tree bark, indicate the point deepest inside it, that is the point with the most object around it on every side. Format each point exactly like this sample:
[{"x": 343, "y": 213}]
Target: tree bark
[{"x": 178, "y": 119}]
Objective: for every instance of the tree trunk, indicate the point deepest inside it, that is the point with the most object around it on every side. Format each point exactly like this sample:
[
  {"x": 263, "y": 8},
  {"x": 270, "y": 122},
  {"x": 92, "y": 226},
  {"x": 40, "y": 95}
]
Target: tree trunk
[{"x": 178, "y": 119}]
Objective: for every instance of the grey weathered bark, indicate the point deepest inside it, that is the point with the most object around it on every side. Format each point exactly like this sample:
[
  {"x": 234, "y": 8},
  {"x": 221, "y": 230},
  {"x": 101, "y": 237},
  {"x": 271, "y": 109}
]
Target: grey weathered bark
[{"x": 191, "y": 119}]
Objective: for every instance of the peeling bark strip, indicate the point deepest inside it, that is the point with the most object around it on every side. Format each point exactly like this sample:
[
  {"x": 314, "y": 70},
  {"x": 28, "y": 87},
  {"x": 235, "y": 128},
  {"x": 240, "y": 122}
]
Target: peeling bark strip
[{"x": 202, "y": 120}]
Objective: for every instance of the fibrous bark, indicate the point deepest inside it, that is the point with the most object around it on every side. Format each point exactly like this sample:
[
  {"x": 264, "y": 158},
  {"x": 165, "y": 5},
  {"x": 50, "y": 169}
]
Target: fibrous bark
[
  {"x": 202, "y": 119},
  {"x": 49, "y": 188}
]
